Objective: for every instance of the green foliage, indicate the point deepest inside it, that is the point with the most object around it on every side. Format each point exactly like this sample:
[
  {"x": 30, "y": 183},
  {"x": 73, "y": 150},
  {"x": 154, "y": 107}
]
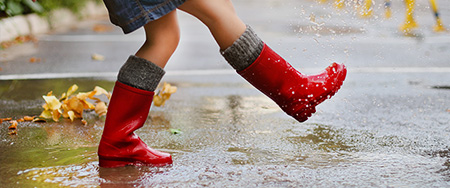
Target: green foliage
[
  {"x": 17, "y": 7},
  {"x": 73, "y": 5}
]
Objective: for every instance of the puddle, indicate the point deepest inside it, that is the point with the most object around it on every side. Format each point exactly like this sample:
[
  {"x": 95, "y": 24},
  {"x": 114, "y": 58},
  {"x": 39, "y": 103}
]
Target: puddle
[
  {"x": 226, "y": 140},
  {"x": 441, "y": 87}
]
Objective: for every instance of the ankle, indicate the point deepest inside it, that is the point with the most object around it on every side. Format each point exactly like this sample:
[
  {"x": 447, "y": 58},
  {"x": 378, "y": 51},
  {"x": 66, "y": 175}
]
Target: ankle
[
  {"x": 244, "y": 51},
  {"x": 140, "y": 73}
]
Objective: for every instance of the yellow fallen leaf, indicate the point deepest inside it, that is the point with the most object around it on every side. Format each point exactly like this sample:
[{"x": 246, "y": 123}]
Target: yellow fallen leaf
[
  {"x": 65, "y": 109},
  {"x": 167, "y": 88},
  {"x": 87, "y": 105},
  {"x": 69, "y": 92},
  {"x": 99, "y": 91},
  {"x": 45, "y": 106},
  {"x": 74, "y": 104},
  {"x": 52, "y": 102},
  {"x": 72, "y": 107},
  {"x": 28, "y": 118},
  {"x": 13, "y": 124},
  {"x": 56, "y": 114},
  {"x": 101, "y": 108},
  {"x": 166, "y": 96},
  {"x": 161, "y": 97},
  {"x": 158, "y": 101},
  {"x": 98, "y": 57},
  {"x": 39, "y": 120},
  {"x": 71, "y": 115},
  {"x": 46, "y": 114},
  {"x": 84, "y": 95}
]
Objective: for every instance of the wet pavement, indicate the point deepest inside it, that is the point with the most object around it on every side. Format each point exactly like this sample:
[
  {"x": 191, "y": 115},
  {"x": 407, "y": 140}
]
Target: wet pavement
[{"x": 389, "y": 125}]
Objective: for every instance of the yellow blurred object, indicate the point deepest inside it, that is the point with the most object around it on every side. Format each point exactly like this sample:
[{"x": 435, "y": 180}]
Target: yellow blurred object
[
  {"x": 410, "y": 23},
  {"x": 387, "y": 7},
  {"x": 98, "y": 57},
  {"x": 366, "y": 10},
  {"x": 339, "y": 4},
  {"x": 439, "y": 27},
  {"x": 164, "y": 94}
]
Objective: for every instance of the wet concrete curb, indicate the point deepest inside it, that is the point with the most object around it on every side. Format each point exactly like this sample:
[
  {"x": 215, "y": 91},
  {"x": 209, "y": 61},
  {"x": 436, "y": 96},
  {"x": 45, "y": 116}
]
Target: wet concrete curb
[{"x": 33, "y": 24}]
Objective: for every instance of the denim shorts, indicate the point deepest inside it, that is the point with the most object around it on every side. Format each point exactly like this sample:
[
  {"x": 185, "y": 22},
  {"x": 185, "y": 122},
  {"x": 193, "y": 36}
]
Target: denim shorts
[{"x": 133, "y": 14}]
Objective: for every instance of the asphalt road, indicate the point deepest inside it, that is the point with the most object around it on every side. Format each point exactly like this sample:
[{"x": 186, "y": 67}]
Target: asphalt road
[{"x": 388, "y": 126}]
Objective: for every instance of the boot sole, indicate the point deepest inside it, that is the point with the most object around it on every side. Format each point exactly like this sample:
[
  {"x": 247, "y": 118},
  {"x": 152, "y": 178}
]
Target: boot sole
[{"x": 111, "y": 163}]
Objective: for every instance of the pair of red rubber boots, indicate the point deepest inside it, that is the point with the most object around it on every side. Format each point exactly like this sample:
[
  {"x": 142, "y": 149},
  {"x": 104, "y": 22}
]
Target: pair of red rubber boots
[{"x": 295, "y": 93}]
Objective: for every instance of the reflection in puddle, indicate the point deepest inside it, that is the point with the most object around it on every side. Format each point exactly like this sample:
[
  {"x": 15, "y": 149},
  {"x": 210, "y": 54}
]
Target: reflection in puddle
[
  {"x": 90, "y": 175},
  {"x": 84, "y": 175},
  {"x": 311, "y": 147},
  {"x": 322, "y": 137},
  {"x": 228, "y": 140}
]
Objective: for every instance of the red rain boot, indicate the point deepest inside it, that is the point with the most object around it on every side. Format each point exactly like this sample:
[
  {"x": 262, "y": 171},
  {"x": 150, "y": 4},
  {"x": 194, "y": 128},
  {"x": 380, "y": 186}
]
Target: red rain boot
[
  {"x": 119, "y": 146},
  {"x": 295, "y": 93}
]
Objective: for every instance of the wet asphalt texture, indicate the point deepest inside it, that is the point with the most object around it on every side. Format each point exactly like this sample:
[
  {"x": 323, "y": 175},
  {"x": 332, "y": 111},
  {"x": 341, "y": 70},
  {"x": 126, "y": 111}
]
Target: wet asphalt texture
[{"x": 389, "y": 125}]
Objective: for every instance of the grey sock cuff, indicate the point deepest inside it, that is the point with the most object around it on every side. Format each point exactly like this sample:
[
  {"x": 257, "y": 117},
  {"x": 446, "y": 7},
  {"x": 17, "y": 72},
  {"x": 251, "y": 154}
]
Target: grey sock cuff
[
  {"x": 244, "y": 51},
  {"x": 140, "y": 73}
]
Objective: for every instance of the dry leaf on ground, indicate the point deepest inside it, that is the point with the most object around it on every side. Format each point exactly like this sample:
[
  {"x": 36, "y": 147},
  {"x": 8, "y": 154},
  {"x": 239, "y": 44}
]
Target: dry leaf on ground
[
  {"x": 13, "y": 124},
  {"x": 72, "y": 106},
  {"x": 98, "y": 57},
  {"x": 164, "y": 94}
]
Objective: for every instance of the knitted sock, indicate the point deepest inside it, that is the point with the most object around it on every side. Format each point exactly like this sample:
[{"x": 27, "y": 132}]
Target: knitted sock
[
  {"x": 140, "y": 73},
  {"x": 244, "y": 51}
]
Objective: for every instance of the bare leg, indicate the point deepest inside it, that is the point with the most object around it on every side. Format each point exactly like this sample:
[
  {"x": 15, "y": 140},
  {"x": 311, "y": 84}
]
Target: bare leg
[
  {"x": 133, "y": 93},
  {"x": 162, "y": 37},
  {"x": 219, "y": 16}
]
